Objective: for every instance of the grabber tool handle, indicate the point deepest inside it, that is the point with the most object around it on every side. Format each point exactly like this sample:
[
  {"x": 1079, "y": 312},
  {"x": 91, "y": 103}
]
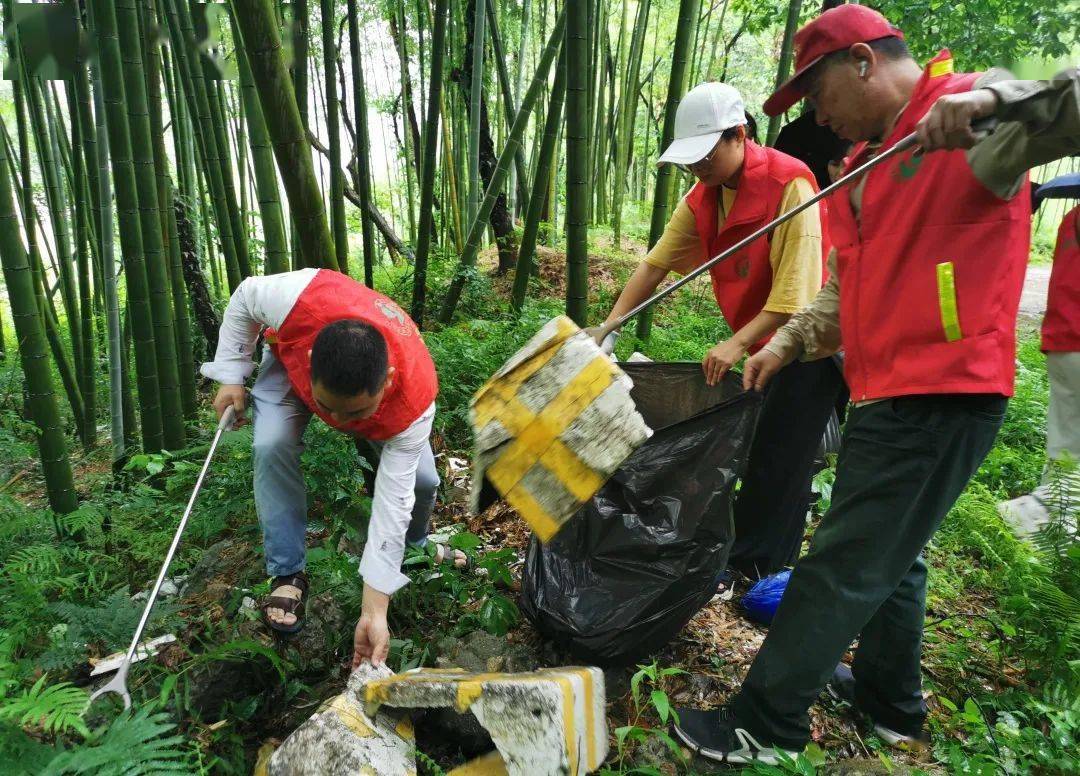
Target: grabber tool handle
[{"x": 118, "y": 684}]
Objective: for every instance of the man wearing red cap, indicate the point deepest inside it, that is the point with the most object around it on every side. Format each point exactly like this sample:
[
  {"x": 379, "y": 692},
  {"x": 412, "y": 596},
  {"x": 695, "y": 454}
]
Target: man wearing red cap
[{"x": 924, "y": 284}]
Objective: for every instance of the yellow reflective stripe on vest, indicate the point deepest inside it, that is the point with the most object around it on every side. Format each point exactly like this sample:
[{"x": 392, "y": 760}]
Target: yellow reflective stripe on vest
[
  {"x": 944, "y": 67},
  {"x": 946, "y": 285}
]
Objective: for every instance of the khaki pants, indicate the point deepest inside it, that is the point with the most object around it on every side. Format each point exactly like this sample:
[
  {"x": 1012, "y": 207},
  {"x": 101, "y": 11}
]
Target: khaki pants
[
  {"x": 1063, "y": 418},
  {"x": 1059, "y": 493}
]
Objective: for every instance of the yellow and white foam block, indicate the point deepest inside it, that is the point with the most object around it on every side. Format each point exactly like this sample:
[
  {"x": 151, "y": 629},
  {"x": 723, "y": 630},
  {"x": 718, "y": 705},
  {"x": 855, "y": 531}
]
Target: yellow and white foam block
[
  {"x": 543, "y": 723},
  {"x": 552, "y": 425},
  {"x": 341, "y": 738}
]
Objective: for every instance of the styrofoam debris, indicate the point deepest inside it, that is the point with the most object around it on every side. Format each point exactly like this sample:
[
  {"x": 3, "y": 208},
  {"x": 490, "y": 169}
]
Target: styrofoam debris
[{"x": 145, "y": 649}]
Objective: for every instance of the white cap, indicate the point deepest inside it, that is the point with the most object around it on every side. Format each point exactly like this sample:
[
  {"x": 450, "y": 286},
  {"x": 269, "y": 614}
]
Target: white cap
[{"x": 702, "y": 116}]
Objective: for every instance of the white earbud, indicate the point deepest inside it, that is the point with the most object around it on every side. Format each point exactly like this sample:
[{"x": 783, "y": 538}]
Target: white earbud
[{"x": 862, "y": 69}]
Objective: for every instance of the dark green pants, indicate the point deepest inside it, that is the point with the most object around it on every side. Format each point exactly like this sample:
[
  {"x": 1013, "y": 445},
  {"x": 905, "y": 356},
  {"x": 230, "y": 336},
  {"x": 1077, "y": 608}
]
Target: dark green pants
[{"x": 902, "y": 465}]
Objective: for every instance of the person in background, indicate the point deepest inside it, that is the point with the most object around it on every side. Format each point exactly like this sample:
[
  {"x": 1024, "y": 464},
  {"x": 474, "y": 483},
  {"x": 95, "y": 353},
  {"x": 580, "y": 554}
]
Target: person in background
[
  {"x": 740, "y": 187},
  {"x": 1059, "y": 494},
  {"x": 929, "y": 259}
]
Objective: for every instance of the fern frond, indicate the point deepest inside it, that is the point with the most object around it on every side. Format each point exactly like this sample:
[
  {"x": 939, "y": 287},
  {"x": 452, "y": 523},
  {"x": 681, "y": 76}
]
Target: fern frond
[
  {"x": 39, "y": 559},
  {"x": 22, "y": 754},
  {"x": 54, "y": 709},
  {"x": 82, "y": 520},
  {"x": 133, "y": 745}
]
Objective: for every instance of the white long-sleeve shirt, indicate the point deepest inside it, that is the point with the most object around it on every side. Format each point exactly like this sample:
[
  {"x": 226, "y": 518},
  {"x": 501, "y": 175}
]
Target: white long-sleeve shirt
[{"x": 264, "y": 302}]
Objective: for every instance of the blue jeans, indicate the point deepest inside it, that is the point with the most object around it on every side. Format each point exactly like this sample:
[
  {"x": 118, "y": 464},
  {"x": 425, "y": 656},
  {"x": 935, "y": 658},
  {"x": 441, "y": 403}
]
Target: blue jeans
[{"x": 280, "y": 418}]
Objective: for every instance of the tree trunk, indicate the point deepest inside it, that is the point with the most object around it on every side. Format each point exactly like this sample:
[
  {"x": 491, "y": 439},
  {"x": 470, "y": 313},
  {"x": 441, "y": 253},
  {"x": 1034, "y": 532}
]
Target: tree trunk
[
  {"x": 262, "y": 42},
  {"x": 410, "y": 138},
  {"x": 117, "y": 433},
  {"x": 577, "y": 163},
  {"x": 624, "y": 143},
  {"x": 333, "y": 130},
  {"x": 44, "y": 130},
  {"x": 474, "y": 54},
  {"x": 501, "y": 222},
  {"x": 300, "y": 31},
  {"x": 782, "y": 69},
  {"x": 476, "y": 228},
  {"x": 426, "y": 231},
  {"x": 44, "y": 412},
  {"x": 661, "y": 212},
  {"x": 201, "y": 109},
  {"x": 127, "y": 208},
  {"x": 509, "y": 106},
  {"x": 154, "y": 256},
  {"x": 362, "y": 170},
  {"x": 201, "y": 302},
  {"x": 517, "y": 182},
  {"x": 533, "y": 217},
  {"x": 85, "y": 363},
  {"x": 266, "y": 181}
]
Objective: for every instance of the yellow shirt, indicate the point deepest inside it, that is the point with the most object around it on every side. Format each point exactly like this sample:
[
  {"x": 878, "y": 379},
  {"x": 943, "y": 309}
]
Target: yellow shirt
[{"x": 794, "y": 253}]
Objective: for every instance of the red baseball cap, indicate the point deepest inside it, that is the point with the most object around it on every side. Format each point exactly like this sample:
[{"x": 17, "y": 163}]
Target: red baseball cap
[{"x": 835, "y": 30}]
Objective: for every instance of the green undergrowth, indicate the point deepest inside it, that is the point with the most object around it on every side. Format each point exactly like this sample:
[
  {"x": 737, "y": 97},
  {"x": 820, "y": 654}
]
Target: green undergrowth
[{"x": 1002, "y": 654}]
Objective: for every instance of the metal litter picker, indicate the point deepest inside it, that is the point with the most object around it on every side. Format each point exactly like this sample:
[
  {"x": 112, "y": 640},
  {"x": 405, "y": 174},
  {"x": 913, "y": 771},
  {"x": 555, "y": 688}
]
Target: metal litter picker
[
  {"x": 118, "y": 684},
  {"x": 556, "y": 421}
]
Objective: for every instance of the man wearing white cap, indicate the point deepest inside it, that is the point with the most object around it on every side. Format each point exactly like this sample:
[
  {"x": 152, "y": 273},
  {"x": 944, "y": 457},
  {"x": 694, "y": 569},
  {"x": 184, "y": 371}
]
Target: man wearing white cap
[{"x": 740, "y": 187}]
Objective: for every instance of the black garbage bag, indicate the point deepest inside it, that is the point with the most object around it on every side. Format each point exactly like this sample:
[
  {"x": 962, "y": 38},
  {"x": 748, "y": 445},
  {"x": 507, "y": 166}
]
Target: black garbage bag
[{"x": 629, "y": 570}]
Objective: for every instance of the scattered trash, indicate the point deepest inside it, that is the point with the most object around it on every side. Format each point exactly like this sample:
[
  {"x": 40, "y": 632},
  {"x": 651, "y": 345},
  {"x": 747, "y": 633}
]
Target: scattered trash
[
  {"x": 170, "y": 588},
  {"x": 762, "y": 600},
  {"x": 145, "y": 649},
  {"x": 446, "y": 533},
  {"x": 457, "y": 480},
  {"x": 634, "y": 565}
]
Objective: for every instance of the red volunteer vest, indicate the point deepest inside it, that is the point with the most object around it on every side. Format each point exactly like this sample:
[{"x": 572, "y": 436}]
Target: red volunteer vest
[
  {"x": 931, "y": 275},
  {"x": 331, "y": 297},
  {"x": 741, "y": 283},
  {"x": 1061, "y": 326}
]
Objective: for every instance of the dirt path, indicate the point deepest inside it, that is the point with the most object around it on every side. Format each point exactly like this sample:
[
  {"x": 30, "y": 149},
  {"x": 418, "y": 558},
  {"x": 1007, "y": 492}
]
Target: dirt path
[{"x": 1033, "y": 300}]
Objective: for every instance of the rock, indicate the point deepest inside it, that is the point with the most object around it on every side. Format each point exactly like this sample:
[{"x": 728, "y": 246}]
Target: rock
[
  {"x": 170, "y": 588},
  {"x": 341, "y": 738},
  {"x": 315, "y": 647},
  {"x": 480, "y": 651},
  {"x": 213, "y": 563}
]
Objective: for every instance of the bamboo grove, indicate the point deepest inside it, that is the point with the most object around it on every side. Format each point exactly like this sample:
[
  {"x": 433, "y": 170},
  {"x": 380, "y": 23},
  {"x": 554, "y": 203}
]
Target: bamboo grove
[{"x": 175, "y": 148}]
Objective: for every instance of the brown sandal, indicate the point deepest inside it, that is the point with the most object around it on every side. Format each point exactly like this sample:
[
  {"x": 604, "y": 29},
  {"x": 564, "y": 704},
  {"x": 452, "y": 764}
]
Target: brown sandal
[{"x": 294, "y": 606}]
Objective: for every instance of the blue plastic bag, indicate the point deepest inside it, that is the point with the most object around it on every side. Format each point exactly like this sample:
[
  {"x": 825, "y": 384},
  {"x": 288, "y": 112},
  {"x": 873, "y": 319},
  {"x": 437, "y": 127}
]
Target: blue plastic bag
[{"x": 763, "y": 598}]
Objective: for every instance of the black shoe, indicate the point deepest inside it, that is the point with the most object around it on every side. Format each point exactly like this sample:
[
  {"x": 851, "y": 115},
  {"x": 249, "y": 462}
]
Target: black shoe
[
  {"x": 725, "y": 585},
  {"x": 715, "y": 735},
  {"x": 842, "y": 688}
]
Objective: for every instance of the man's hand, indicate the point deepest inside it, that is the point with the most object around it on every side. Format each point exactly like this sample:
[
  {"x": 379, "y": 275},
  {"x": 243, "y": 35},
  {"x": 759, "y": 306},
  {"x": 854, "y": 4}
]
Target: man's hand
[
  {"x": 760, "y": 369},
  {"x": 605, "y": 343},
  {"x": 231, "y": 396},
  {"x": 371, "y": 640},
  {"x": 720, "y": 359},
  {"x": 947, "y": 125}
]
